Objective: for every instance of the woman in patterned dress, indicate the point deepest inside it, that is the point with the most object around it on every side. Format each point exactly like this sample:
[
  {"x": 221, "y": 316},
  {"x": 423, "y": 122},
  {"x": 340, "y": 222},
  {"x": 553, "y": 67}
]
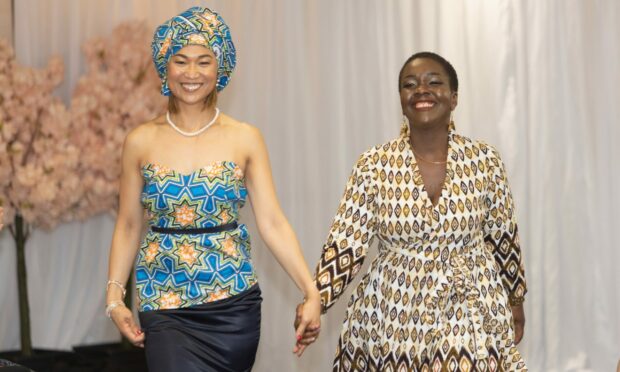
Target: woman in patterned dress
[
  {"x": 446, "y": 290},
  {"x": 191, "y": 171}
]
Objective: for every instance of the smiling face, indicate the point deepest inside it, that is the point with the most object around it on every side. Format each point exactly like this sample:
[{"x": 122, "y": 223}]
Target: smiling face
[
  {"x": 426, "y": 97},
  {"x": 192, "y": 74}
]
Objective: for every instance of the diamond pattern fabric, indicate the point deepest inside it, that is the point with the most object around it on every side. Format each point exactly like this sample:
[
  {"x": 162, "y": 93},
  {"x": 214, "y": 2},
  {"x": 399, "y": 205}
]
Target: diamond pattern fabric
[{"x": 437, "y": 297}]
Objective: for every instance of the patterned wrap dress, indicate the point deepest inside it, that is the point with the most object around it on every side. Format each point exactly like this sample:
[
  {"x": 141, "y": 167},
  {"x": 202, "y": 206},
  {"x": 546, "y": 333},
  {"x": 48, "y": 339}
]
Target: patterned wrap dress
[
  {"x": 437, "y": 297},
  {"x": 198, "y": 295}
]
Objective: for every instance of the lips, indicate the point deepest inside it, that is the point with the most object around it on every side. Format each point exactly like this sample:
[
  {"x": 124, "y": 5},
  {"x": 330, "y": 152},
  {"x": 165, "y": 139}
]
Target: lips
[
  {"x": 191, "y": 87},
  {"x": 424, "y": 105}
]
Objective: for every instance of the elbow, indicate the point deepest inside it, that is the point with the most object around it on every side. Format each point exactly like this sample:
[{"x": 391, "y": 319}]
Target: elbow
[
  {"x": 271, "y": 226},
  {"x": 128, "y": 226}
]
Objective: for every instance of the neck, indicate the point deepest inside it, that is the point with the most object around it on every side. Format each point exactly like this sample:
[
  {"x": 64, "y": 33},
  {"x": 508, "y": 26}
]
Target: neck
[
  {"x": 432, "y": 141},
  {"x": 192, "y": 117}
]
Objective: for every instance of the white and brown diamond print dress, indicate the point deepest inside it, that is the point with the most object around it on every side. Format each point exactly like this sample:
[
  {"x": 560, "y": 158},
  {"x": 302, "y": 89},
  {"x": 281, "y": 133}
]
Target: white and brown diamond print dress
[{"x": 437, "y": 296}]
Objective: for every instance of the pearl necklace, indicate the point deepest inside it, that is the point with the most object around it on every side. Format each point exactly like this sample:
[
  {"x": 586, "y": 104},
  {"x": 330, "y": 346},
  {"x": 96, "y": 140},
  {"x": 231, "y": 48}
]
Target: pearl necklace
[{"x": 192, "y": 134}]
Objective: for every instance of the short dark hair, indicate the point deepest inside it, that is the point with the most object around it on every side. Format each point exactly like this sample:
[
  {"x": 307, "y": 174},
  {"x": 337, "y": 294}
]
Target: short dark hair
[{"x": 453, "y": 78}]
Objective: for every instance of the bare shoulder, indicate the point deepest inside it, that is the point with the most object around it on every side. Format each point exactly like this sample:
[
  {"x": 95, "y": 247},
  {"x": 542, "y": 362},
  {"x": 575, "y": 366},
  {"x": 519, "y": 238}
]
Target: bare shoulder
[
  {"x": 244, "y": 133},
  {"x": 138, "y": 138}
]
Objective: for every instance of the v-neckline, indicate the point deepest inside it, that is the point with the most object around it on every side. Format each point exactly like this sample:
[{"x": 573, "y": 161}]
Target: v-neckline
[{"x": 419, "y": 180}]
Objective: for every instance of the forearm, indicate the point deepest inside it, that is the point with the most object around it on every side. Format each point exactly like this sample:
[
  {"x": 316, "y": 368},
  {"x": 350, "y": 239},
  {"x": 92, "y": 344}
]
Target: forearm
[
  {"x": 507, "y": 253},
  {"x": 125, "y": 243},
  {"x": 282, "y": 242}
]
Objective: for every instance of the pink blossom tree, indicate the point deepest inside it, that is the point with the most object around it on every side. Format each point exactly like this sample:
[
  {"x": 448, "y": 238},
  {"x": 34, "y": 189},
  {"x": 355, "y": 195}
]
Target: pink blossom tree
[
  {"x": 58, "y": 165},
  {"x": 39, "y": 185},
  {"x": 119, "y": 91}
]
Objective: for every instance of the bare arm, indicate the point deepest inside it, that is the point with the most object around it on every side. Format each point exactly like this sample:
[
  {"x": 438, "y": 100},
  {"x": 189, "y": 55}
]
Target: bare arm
[
  {"x": 274, "y": 227},
  {"x": 126, "y": 239}
]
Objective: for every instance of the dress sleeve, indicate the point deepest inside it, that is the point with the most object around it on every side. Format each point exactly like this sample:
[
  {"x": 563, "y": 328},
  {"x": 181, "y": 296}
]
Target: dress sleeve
[
  {"x": 349, "y": 236},
  {"x": 501, "y": 232}
]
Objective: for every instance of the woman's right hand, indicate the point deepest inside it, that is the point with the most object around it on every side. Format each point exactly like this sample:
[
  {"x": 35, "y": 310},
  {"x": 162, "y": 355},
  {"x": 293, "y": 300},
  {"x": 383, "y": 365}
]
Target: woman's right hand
[
  {"x": 125, "y": 322},
  {"x": 307, "y": 324}
]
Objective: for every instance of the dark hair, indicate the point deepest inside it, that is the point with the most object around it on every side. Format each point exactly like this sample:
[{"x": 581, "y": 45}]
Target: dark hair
[{"x": 454, "y": 80}]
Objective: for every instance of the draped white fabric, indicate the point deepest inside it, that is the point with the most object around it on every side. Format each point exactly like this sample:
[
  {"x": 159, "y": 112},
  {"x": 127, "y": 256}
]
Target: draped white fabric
[{"x": 319, "y": 78}]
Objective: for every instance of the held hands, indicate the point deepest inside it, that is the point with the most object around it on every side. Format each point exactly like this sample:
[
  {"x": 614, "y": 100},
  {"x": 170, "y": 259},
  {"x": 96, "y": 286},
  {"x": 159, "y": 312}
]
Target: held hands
[
  {"x": 307, "y": 323},
  {"x": 124, "y": 321},
  {"x": 518, "y": 316}
]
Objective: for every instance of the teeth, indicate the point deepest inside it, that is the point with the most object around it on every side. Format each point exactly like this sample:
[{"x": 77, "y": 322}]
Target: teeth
[
  {"x": 424, "y": 104},
  {"x": 191, "y": 87}
]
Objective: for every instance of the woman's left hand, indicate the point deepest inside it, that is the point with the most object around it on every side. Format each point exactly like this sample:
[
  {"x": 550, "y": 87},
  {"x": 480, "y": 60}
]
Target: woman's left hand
[
  {"x": 518, "y": 315},
  {"x": 307, "y": 320}
]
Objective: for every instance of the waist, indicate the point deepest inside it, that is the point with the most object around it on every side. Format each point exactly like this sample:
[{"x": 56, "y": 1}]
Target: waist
[
  {"x": 195, "y": 230},
  {"x": 425, "y": 251}
]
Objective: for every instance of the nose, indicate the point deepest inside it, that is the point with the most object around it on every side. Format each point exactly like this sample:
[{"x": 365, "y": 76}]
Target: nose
[
  {"x": 191, "y": 71},
  {"x": 420, "y": 89}
]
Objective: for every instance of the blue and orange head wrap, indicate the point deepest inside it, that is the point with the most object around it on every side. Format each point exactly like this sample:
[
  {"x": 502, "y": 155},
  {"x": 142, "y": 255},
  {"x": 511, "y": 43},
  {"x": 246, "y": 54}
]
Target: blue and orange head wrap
[{"x": 195, "y": 26}]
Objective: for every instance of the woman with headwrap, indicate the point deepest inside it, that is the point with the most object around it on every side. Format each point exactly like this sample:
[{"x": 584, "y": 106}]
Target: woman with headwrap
[
  {"x": 446, "y": 290},
  {"x": 191, "y": 171}
]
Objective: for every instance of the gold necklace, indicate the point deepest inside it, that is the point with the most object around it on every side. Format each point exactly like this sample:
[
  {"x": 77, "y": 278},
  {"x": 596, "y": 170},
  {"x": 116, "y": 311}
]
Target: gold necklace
[{"x": 429, "y": 161}]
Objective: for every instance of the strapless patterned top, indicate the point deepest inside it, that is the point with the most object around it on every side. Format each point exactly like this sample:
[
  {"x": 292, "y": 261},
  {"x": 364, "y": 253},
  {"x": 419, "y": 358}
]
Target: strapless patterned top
[{"x": 180, "y": 270}]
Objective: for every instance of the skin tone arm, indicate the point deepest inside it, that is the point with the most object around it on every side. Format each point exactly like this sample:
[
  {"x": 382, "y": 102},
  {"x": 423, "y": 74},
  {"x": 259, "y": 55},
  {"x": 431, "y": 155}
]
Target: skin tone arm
[
  {"x": 308, "y": 337},
  {"x": 126, "y": 239},
  {"x": 518, "y": 315},
  {"x": 276, "y": 231}
]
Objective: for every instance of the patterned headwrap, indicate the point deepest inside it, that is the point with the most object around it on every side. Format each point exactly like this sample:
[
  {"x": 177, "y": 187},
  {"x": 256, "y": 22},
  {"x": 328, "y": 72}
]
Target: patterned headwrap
[{"x": 195, "y": 26}]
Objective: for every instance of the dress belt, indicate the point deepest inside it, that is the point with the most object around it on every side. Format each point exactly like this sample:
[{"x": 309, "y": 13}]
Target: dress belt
[
  {"x": 410, "y": 253},
  {"x": 196, "y": 230}
]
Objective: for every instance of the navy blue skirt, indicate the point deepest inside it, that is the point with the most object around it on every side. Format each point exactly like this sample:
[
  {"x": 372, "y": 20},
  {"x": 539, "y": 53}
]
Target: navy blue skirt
[{"x": 216, "y": 336}]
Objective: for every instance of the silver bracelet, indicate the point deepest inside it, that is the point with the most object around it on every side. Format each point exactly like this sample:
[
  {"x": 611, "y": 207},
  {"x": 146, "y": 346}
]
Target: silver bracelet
[
  {"x": 118, "y": 284},
  {"x": 111, "y": 306}
]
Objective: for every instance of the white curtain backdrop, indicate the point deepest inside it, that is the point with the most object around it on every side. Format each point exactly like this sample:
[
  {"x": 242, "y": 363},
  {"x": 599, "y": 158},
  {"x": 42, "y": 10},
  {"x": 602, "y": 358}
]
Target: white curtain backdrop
[{"x": 539, "y": 80}]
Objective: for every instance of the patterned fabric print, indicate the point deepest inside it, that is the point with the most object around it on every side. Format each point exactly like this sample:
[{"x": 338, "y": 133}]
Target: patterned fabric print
[
  {"x": 195, "y": 26},
  {"x": 180, "y": 270},
  {"x": 436, "y": 297}
]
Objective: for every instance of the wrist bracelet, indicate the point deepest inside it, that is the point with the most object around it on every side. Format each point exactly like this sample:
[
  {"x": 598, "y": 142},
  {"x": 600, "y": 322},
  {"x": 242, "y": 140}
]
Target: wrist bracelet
[
  {"x": 111, "y": 306},
  {"x": 118, "y": 284}
]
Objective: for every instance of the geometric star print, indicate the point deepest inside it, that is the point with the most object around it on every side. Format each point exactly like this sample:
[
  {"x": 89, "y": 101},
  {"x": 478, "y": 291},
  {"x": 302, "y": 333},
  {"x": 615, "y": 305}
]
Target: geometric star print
[
  {"x": 151, "y": 251},
  {"x": 169, "y": 300},
  {"x": 187, "y": 253},
  {"x": 184, "y": 214},
  {"x": 179, "y": 270}
]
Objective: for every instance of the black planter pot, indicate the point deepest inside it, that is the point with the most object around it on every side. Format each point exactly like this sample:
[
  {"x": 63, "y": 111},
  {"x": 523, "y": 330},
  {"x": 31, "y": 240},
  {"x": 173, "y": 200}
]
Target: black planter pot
[
  {"x": 43, "y": 360},
  {"x": 113, "y": 357}
]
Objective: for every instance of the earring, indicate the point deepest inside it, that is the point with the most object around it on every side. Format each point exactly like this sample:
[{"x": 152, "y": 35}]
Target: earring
[
  {"x": 451, "y": 126},
  {"x": 404, "y": 127}
]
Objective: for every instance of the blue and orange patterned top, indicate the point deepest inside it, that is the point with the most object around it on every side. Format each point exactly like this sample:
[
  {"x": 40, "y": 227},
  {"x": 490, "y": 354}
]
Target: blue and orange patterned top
[{"x": 180, "y": 270}]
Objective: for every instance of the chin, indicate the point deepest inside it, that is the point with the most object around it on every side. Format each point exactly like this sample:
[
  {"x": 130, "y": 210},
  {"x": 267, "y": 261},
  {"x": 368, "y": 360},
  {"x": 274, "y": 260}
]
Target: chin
[
  {"x": 191, "y": 100},
  {"x": 193, "y": 97},
  {"x": 427, "y": 120},
  {"x": 422, "y": 121},
  {"x": 425, "y": 124}
]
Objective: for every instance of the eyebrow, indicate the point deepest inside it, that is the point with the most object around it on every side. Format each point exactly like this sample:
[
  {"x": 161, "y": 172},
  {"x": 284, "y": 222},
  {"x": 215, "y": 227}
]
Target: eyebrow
[
  {"x": 430, "y": 73},
  {"x": 200, "y": 56}
]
